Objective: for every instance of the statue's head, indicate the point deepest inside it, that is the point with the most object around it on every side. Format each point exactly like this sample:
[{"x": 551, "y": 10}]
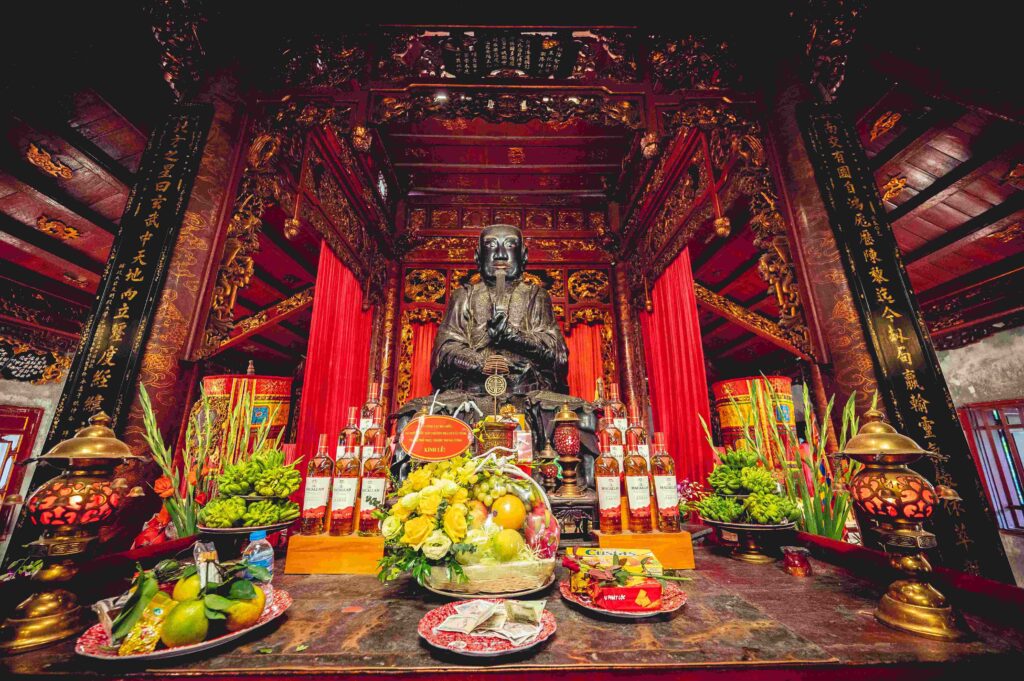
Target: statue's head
[{"x": 501, "y": 248}]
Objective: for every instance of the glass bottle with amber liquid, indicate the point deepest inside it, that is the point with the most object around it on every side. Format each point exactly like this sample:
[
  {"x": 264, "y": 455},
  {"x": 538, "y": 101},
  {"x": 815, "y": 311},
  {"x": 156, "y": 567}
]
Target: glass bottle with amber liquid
[
  {"x": 663, "y": 472},
  {"x": 346, "y": 477},
  {"x": 636, "y": 435},
  {"x": 613, "y": 436},
  {"x": 638, "y": 492},
  {"x": 607, "y": 480},
  {"x": 375, "y": 438},
  {"x": 373, "y": 487},
  {"x": 614, "y": 409},
  {"x": 317, "y": 490},
  {"x": 372, "y": 402}
]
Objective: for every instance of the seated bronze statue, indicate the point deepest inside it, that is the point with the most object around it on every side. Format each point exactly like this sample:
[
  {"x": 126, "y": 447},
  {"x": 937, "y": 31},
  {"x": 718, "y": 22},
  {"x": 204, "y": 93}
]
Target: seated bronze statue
[{"x": 501, "y": 315}]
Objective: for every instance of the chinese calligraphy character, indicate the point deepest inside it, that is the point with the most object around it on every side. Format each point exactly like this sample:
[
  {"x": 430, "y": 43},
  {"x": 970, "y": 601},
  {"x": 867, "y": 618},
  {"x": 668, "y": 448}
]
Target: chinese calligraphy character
[
  {"x": 100, "y": 378},
  {"x": 854, "y": 203},
  {"x": 903, "y": 355},
  {"x": 918, "y": 403},
  {"x": 93, "y": 403},
  {"x": 843, "y": 172},
  {"x": 866, "y": 238},
  {"x": 134, "y": 274},
  {"x": 122, "y": 312},
  {"x": 890, "y": 314},
  {"x": 129, "y": 294},
  {"x": 883, "y": 296},
  {"x": 146, "y": 236},
  {"x": 162, "y": 186},
  {"x": 910, "y": 378},
  {"x": 152, "y": 220},
  {"x": 117, "y": 331},
  {"x": 140, "y": 257},
  {"x": 877, "y": 275},
  {"x": 839, "y": 156},
  {"x": 107, "y": 358},
  {"x": 896, "y": 335},
  {"x": 926, "y": 426},
  {"x": 871, "y": 255}
]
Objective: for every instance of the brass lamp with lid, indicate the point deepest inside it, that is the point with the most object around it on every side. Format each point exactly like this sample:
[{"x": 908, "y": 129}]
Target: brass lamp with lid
[
  {"x": 70, "y": 508},
  {"x": 897, "y": 500}
]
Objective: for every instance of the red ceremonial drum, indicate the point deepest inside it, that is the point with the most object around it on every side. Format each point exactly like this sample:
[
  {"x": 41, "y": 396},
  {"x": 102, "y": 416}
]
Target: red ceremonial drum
[
  {"x": 732, "y": 402},
  {"x": 271, "y": 400}
]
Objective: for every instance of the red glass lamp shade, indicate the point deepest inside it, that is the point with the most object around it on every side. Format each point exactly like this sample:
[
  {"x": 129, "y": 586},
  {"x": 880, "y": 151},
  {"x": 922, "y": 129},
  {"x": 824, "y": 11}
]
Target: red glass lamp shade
[
  {"x": 894, "y": 495},
  {"x": 73, "y": 500},
  {"x": 567, "y": 439}
]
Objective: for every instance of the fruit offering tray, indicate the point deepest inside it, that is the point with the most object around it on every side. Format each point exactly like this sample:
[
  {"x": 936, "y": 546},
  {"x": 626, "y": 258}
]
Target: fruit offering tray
[{"x": 96, "y": 644}]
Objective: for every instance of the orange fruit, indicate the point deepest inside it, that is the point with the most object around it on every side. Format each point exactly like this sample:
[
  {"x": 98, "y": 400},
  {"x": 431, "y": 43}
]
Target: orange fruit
[
  {"x": 509, "y": 512},
  {"x": 506, "y": 545},
  {"x": 244, "y": 613},
  {"x": 185, "y": 624}
]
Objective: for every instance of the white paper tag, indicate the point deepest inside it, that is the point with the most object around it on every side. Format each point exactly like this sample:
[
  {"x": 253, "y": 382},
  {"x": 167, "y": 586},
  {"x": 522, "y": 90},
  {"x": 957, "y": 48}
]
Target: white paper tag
[
  {"x": 524, "y": 447},
  {"x": 638, "y": 490},
  {"x": 344, "y": 493},
  {"x": 364, "y": 424},
  {"x": 668, "y": 493},
  {"x": 617, "y": 453},
  {"x": 373, "y": 491},
  {"x": 316, "y": 491},
  {"x": 645, "y": 451},
  {"x": 622, "y": 425},
  {"x": 608, "y": 492}
]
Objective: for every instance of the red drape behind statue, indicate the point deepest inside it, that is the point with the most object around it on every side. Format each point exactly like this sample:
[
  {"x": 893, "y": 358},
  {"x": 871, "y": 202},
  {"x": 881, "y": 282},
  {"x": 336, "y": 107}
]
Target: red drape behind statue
[
  {"x": 337, "y": 357},
  {"x": 422, "y": 347},
  {"x": 584, "y": 359},
  {"x": 675, "y": 370}
]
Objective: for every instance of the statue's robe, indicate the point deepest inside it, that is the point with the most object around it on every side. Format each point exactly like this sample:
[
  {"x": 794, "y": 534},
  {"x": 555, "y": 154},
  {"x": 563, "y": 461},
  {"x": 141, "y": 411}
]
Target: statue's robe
[
  {"x": 462, "y": 341},
  {"x": 462, "y": 337}
]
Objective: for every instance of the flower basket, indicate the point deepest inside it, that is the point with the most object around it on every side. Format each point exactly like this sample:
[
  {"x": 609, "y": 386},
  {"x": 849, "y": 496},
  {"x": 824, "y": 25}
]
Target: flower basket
[{"x": 503, "y": 541}]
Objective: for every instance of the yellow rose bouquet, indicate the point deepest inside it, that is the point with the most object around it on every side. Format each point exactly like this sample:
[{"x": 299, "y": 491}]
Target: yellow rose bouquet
[{"x": 468, "y": 519}]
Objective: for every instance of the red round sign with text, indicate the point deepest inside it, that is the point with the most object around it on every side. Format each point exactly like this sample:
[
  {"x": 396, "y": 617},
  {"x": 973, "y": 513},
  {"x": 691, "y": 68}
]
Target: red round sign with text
[{"x": 436, "y": 438}]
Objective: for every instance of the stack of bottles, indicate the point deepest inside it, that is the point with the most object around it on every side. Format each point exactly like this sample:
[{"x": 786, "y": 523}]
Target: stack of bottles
[
  {"x": 342, "y": 494},
  {"x": 631, "y": 469}
]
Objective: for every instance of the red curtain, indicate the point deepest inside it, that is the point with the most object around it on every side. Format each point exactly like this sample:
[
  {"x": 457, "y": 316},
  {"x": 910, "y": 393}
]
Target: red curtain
[
  {"x": 337, "y": 357},
  {"x": 584, "y": 359},
  {"x": 422, "y": 347},
  {"x": 675, "y": 370}
]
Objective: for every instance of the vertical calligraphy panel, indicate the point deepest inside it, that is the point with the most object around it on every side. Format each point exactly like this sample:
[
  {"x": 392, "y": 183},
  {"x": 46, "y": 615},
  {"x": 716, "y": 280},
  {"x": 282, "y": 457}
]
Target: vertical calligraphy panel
[
  {"x": 106, "y": 364},
  {"x": 909, "y": 375}
]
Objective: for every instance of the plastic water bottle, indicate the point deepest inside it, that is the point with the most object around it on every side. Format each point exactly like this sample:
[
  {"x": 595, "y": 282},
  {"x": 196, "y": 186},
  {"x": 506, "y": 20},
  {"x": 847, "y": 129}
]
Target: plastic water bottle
[{"x": 260, "y": 552}]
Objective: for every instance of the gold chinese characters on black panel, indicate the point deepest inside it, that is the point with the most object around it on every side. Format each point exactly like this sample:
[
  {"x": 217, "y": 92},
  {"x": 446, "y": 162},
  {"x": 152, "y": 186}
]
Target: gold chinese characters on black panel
[
  {"x": 908, "y": 371},
  {"x": 103, "y": 373}
]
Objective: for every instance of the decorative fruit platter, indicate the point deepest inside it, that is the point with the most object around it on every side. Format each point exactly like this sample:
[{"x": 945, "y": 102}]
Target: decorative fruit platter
[
  {"x": 672, "y": 598},
  {"x": 472, "y": 645},
  {"x": 95, "y": 642}
]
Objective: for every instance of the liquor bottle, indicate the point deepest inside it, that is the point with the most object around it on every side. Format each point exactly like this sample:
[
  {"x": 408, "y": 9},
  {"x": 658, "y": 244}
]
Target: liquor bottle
[
  {"x": 607, "y": 476},
  {"x": 373, "y": 487},
  {"x": 375, "y": 438},
  {"x": 346, "y": 477},
  {"x": 372, "y": 402},
  {"x": 615, "y": 409},
  {"x": 606, "y": 426},
  {"x": 663, "y": 470},
  {"x": 636, "y": 435},
  {"x": 638, "y": 492},
  {"x": 317, "y": 491}
]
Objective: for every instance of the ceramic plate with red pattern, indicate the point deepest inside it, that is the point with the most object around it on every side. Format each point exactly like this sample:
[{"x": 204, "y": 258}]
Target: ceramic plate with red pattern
[
  {"x": 95, "y": 643},
  {"x": 477, "y": 646},
  {"x": 672, "y": 598}
]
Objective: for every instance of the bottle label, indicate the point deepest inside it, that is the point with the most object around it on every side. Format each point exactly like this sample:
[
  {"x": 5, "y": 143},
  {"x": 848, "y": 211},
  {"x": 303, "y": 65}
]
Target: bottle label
[
  {"x": 638, "y": 490},
  {"x": 622, "y": 425},
  {"x": 668, "y": 493},
  {"x": 645, "y": 451},
  {"x": 344, "y": 495},
  {"x": 617, "y": 453},
  {"x": 524, "y": 447},
  {"x": 367, "y": 451},
  {"x": 608, "y": 492},
  {"x": 372, "y": 494},
  {"x": 364, "y": 424},
  {"x": 314, "y": 501}
]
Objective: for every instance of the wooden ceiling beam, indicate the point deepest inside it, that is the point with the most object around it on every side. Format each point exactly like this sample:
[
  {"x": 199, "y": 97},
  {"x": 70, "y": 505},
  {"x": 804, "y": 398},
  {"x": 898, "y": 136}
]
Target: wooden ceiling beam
[
  {"x": 531, "y": 140},
  {"x": 267, "y": 278},
  {"x": 993, "y": 219},
  {"x": 539, "y": 168},
  {"x": 751, "y": 321},
  {"x": 981, "y": 161},
  {"x": 49, "y": 244},
  {"x": 277, "y": 238},
  {"x": 97, "y": 156},
  {"x": 927, "y": 127},
  {"x": 51, "y": 191},
  {"x": 986, "y": 275},
  {"x": 266, "y": 318},
  {"x": 738, "y": 273},
  {"x": 734, "y": 345},
  {"x": 31, "y": 279}
]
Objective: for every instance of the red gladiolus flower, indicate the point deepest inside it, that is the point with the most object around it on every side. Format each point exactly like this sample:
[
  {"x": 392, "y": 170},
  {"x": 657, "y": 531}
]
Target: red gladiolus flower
[
  {"x": 570, "y": 563},
  {"x": 201, "y": 498},
  {"x": 163, "y": 487}
]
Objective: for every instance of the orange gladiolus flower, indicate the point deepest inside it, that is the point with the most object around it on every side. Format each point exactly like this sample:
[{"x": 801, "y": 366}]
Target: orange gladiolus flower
[
  {"x": 192, "y": 477},
  {"x": 163, "y": 487}
]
